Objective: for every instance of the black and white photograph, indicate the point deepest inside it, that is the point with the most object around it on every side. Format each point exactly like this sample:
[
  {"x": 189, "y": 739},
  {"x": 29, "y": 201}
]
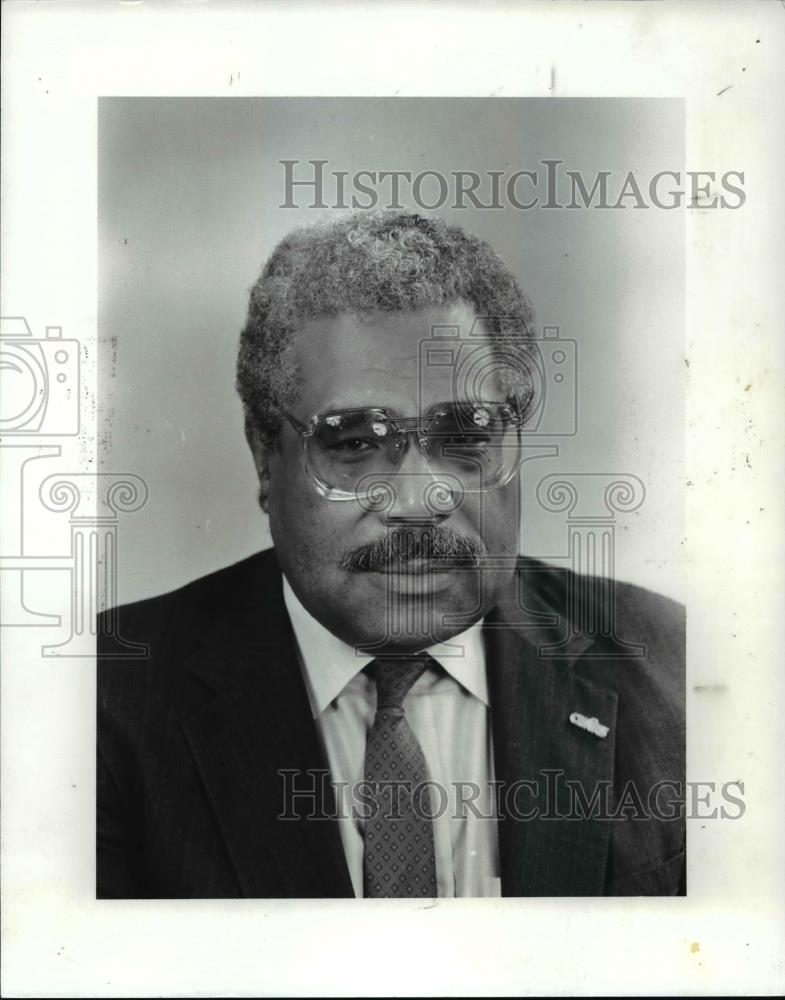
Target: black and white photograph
[
  {"x": 423, "y": 677},
  {"x": 391, "y": 444}
]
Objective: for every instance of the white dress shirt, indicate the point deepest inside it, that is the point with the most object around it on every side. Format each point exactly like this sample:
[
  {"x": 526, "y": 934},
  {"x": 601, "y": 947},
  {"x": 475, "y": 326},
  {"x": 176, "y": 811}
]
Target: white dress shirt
[{"x": 448, "y": 712}]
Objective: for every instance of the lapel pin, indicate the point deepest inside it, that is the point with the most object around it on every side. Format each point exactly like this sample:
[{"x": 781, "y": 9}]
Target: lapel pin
[{"x": 593, "y": 726}]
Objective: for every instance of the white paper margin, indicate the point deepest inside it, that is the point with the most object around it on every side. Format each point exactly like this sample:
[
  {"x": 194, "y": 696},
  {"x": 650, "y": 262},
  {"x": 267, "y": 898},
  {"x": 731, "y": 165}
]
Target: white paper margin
[{"x": 727, "y": 936}]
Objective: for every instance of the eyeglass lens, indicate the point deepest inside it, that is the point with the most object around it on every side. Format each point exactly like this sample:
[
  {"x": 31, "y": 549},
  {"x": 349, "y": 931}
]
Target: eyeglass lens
[{"x": 473, "y": 441}]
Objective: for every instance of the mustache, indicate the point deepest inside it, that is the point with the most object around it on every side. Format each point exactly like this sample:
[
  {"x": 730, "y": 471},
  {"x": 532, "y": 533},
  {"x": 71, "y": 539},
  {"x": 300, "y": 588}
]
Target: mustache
[{"x": 404, "y": 544}]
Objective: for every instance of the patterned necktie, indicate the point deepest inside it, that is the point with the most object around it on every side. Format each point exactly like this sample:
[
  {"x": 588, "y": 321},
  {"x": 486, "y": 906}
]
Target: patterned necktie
[{"x": 399, "y": 855}]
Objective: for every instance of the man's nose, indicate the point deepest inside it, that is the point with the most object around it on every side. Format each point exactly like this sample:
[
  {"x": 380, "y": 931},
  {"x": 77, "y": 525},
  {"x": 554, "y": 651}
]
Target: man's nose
[{"x": 418, "y": 492}]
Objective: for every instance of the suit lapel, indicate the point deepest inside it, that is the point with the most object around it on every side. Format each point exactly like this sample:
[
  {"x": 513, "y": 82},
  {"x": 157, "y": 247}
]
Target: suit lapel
[
  {"x": 247, "y": 719},
  {"x": 250, "y": 722},
  {"x": 532, "y": 698}
]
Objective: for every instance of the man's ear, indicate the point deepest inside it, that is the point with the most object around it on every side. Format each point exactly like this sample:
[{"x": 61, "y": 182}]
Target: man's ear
[{"x": 261, "y": 458}]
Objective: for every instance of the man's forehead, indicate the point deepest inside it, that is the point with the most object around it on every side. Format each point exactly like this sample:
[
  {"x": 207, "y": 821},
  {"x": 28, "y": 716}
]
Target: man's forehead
[
  {"x": 394, "y": 341},
  {"x": 358, "y": 356},
  {"x": 391, "y": 330}
]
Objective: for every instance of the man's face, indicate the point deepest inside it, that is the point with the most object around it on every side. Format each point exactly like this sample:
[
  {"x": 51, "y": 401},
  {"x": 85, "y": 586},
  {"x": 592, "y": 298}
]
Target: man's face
[{"x": 347, "y": 362}]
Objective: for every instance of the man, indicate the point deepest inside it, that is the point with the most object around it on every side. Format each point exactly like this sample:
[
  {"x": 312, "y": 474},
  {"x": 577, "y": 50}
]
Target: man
[{"x": 391, "y": 702}]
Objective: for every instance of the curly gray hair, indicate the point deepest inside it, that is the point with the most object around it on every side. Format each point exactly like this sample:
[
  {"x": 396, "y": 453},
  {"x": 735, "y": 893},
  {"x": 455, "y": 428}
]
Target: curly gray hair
[{"x": 363, "y": 263}]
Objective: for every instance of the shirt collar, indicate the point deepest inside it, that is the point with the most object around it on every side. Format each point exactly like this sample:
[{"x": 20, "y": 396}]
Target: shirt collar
[{"x": 330, "y": 663}]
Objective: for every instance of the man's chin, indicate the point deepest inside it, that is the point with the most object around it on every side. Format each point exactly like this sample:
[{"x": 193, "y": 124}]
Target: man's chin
[{"x": 410, "y": 611}]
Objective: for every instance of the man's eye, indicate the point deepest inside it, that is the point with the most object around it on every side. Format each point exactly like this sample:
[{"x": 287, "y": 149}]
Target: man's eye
[
  {"x": 355, "y": 445},
  {"x": 466, "y": 440}
]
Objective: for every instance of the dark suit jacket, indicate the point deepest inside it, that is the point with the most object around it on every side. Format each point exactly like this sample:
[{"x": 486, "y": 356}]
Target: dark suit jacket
[{"x": 192, "y": 737}]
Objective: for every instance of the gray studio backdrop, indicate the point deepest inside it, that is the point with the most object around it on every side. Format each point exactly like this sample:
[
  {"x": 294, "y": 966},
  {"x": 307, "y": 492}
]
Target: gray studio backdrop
[{"x": 189, "y": 196}]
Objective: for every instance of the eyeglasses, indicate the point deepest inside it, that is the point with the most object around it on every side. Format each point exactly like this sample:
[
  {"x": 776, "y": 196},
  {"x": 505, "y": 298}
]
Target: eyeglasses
[{"x": 476, "y": 443}]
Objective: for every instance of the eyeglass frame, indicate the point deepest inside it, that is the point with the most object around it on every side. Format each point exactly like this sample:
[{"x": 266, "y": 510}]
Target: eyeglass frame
[{"x": 511, "y": 408}]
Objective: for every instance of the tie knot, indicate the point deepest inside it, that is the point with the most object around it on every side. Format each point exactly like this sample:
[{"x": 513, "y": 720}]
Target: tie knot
[{"x": 395, "y": 677}]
